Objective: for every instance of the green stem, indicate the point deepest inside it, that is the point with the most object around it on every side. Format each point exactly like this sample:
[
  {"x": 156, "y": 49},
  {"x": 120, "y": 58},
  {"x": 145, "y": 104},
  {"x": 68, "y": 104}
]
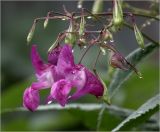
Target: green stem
[{"x": 146, "y": 36}]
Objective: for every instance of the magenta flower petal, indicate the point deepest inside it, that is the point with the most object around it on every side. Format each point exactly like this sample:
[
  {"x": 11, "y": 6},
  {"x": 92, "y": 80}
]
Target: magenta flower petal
[
  {"x": 40, "y": 85},
  {"x": 31, "y": 99},
  {"x": 60, "y": 91},
  {"x": 92, "y": 86},
  {"x": 37, "y": 61},
  {"x": 53, "y": 55},
  {"x": 76, "y": 76},
  {"x": 47, "y": 76},
  {"x": 65, "y": 60}
]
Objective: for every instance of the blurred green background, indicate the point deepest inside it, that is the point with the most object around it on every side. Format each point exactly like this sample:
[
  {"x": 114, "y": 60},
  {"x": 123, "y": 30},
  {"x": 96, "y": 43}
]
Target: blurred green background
[{"x": 17, "y": 72}]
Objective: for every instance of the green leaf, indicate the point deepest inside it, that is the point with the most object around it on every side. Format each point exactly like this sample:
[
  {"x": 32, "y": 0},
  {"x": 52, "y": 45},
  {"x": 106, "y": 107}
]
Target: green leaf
[
  {"x": 141, "y": 115},
  {"x": 134, "y": 58}
]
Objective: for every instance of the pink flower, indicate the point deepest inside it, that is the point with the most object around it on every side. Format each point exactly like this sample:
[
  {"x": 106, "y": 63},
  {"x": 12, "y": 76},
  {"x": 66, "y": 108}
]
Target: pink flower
[{"x": 60, "y": 74}]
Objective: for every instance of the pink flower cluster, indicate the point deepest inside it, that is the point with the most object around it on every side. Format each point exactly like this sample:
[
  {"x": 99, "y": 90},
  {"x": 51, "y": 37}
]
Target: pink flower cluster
[{"x": 61, "y": 75}]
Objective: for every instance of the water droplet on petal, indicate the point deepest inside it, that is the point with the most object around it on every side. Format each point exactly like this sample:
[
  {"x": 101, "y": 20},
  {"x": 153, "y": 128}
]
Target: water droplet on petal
[
  {"x": 74, "y": 71},
  {"x": 89, "y": 17},
  {"x": 72, "y": 50},
  {"x": 49, "y": 102}
]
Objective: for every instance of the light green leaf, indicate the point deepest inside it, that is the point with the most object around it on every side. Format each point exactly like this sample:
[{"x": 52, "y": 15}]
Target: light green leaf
[
  {"x": 141, "y": 115},
  {"x": 134, "y": 58}
]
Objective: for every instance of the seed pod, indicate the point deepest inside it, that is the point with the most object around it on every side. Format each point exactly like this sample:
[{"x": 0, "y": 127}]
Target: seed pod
[
  {"x": 97, "y": 6},
  {"x": 31, "y": 33},
  {"x": 139, "y": 36},
  {"x": 53, "y": 45},
  {"x": 117, "y": 13}
]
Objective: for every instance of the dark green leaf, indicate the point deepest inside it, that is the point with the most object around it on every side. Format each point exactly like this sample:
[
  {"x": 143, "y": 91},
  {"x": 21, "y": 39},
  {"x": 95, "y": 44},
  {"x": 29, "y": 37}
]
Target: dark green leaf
[{"x": 141, "y": 115}]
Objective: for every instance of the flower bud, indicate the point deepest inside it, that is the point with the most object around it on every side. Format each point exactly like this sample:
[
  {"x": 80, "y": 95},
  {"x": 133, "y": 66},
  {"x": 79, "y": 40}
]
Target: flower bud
[
  {"x": 82, "y": 26},
  {"x": 117, "y": 61},
  {"x": 117, "y": 13},
  {"x": 46, "y": 23},
  {"x": 139, "y": 36},
  {"x": 70, "y": 36},
  {"x": 97, "y": 6},
  {"x": 31, "y": 33}
]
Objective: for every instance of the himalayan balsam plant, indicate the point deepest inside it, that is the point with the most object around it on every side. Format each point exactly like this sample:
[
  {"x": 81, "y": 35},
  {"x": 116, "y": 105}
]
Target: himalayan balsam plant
[{"x": 61, "y": 75}]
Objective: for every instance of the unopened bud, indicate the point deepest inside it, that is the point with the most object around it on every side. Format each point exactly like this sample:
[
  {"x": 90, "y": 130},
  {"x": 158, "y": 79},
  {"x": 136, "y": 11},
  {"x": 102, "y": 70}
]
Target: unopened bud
[
  {"x": 117, "y": 13},
  {"x": 46, "y": 23},
  {"x": 82, "y": 26},
  {"x": 70, "y": 36},
  {"x": 31, "y": 33},
  {"x": 118, "y": 61},
  {"x": 97, "y": 6},
  {"x": 139, "y": 36}
]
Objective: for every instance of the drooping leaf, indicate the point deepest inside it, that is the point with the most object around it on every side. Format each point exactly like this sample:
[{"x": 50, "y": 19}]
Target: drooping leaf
[
  {"x": 140, "y": 115},
  {"x": 134, "y": 58}
]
